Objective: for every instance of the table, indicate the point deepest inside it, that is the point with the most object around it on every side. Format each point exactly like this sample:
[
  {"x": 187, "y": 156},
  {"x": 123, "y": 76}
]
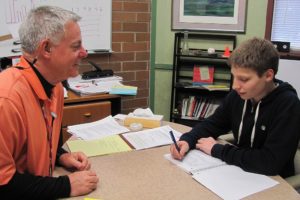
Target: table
[{"x": 147, "y": 175}]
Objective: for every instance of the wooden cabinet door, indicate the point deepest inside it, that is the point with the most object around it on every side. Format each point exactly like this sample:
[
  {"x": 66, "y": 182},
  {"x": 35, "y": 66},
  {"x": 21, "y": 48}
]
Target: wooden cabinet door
[{"x": 84, "y": 113}]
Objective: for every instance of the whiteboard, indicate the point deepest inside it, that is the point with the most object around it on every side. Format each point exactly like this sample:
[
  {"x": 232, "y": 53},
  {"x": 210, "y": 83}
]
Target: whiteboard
[
  {"x": 95, "y": 23},
  {"x": 289, "y": 71}
]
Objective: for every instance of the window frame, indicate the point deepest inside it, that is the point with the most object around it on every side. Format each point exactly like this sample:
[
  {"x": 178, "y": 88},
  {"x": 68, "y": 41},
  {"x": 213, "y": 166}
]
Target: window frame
[{"x": 293, "y": 54}]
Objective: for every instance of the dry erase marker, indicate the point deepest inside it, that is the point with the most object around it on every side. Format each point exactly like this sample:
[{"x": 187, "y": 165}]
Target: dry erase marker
[
  {"x": 17, "y": 50},
  {"x": 101, "y": 50},
  {"x": 16, "y": 42},
  {"x": 174, "y": 141}
]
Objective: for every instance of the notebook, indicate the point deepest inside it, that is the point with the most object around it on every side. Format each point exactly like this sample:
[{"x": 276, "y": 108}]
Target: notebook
[{"x": 226, "y": 181}]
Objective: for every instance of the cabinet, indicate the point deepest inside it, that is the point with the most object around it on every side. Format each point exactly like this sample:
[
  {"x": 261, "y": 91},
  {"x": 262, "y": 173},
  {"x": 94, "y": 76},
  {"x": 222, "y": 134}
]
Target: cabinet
[
  {"x": 190, "y": 101},
  {"x": 84, "y": 109}
]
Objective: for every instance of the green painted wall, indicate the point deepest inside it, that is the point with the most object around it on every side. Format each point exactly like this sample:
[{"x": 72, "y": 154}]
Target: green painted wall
[
  {"x": 162, "y": 55},
  {"x": 162, "y": 95}
]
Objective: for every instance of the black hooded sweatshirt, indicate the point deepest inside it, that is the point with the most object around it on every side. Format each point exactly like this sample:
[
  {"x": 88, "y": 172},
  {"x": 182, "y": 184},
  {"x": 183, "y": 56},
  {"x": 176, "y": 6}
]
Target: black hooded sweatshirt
[{"x": 273, "y": 124}]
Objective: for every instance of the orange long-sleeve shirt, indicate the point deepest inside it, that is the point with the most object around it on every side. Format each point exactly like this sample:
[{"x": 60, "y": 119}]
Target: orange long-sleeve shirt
[{"x": 24, "y": 137}]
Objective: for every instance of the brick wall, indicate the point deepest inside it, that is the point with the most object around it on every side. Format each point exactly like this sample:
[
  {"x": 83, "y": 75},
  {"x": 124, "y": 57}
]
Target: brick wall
[{"x": 131, "y": 49}]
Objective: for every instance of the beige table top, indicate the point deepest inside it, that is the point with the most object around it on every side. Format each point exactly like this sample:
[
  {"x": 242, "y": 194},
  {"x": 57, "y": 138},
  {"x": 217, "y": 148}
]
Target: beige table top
[{"x": 147, "y": 175}]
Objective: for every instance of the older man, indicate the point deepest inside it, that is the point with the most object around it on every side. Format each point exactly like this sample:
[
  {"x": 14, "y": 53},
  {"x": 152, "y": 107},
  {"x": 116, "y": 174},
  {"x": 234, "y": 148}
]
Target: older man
[{"x": 31, "y": 106}]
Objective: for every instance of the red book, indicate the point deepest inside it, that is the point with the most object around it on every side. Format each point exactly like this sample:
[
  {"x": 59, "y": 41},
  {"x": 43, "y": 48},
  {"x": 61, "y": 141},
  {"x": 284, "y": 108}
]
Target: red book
[{"x": 203, "y": 74}]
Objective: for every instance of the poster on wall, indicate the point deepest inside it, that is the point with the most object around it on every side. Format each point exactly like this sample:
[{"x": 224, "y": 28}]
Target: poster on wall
[{"x": 209, "y": 15}]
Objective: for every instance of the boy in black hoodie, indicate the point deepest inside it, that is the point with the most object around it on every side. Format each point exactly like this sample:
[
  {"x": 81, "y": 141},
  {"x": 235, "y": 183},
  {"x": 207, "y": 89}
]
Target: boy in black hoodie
[{"x": 262, "y": 112}]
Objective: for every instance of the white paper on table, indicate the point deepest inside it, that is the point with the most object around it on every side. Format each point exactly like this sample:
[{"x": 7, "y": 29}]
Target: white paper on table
[
  {"x": 231, "y": 182},
  {"x": 98, "y": 129},
  {"x": 120, "y": 117},
  {"x": 151, "y": 137}
]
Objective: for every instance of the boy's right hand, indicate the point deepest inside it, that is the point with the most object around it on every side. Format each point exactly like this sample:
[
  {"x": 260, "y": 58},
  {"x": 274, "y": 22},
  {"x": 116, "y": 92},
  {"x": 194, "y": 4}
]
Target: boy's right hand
[{"x": 184, "y": 148}]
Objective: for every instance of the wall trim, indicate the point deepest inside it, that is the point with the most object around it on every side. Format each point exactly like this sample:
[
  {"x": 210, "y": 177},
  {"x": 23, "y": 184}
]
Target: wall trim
[
  {"x": 152, "y": 54},
  {"x": 164, "y": 66}
]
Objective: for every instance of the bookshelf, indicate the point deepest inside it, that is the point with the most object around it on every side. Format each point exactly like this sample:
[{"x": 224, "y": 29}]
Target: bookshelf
[{"x": 192, "y": 101}]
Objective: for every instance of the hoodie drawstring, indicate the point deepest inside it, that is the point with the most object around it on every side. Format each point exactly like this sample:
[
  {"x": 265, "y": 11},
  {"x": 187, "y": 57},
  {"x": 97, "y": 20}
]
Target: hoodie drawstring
[
  {"x": 241, "y": 124},
  {"x": 255, "y": 120},
  {"x": 254, "y": 126}
]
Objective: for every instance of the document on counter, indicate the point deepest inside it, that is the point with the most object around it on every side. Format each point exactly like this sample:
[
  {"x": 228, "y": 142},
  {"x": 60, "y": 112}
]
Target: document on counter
[
  {"x": 87, "y": 88},
  {"x": 98, "y": 129},
  {"x": 107, "y": 145},
  {"x": 93, "y": 86},
  {"x": 123, "y": 90},
  {"x": 227, "y": 181},
  {"x": 151, "y": 137}
]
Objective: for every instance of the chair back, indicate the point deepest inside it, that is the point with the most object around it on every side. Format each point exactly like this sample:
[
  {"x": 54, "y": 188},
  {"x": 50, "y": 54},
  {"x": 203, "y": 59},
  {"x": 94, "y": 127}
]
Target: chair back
[{"x": 297, "y": 160}]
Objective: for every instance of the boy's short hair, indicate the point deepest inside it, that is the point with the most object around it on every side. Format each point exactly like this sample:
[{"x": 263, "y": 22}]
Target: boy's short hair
[{"x": 256, "y": 54}]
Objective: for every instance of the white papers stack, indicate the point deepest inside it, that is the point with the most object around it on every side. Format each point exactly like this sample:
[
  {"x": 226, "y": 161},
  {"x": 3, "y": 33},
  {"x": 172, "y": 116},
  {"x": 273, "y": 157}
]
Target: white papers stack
[
  {"x": 227, "y": 181},
  {"x": 98, "y": 129},
  {"x": 151, "y": 137},
  {"x": 94, "y": 86},
  {"x": 232, "y": 183}
]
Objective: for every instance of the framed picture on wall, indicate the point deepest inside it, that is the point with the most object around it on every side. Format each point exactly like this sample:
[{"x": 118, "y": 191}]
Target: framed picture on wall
[{"x": 209, "y": 15}]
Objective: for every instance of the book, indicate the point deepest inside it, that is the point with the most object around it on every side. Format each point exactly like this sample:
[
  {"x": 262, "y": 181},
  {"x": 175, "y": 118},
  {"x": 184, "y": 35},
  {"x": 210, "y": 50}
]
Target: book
[
  {"x": 214, "y": 87},
  {"x": 203, "y": 74},
  {"x": 201, "y": 108},
  {"x": 198, "y": 103},
  {"x": 214, "y": 104},
  {"x": 205, "y": 107},
  {"x": 227, "y": 181},
  {"x": 123, "y": 90},
  {"x": 184, "y": 106},
  {"x": 192, "y": 102}
]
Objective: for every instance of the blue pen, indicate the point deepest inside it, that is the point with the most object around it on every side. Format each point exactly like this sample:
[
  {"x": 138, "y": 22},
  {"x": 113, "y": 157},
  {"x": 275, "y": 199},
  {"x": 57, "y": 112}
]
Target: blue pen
[{"x": 174, "y": 141}]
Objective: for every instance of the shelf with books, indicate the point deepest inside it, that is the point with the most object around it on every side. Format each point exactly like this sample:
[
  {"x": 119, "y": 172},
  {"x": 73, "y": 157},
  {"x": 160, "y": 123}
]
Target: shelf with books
[
  {"x": 202, "y": 53},
  {"x": 199, "y": 74},
  {"x": 195, "y": 108}
]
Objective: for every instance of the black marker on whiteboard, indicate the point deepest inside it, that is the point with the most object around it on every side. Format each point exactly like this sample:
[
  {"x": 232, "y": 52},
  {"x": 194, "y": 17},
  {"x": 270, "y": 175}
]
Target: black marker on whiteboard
[
  {"x": 101, "y": 51},
  {"x": 17, "y": 50},
  {"x": 16, "y": 42}
]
